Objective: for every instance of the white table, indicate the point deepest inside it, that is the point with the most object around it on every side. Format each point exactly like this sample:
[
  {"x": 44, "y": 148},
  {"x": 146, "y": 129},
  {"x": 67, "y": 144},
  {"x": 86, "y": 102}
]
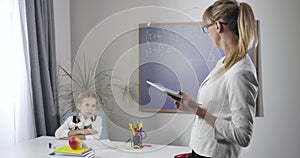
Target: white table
[{"x": 39, "y": 148}]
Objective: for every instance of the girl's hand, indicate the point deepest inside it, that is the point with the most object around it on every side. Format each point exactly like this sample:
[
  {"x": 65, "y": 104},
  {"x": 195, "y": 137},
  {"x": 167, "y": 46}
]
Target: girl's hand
[
  {"x": 81, "y": 136},
  {"x": 90, "y": 131}
]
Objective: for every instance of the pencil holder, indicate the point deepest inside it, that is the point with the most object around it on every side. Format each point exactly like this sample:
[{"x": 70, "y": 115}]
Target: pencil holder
[
  {"x": 138, "y": 134},
  {"x": 137, "y": 140}
]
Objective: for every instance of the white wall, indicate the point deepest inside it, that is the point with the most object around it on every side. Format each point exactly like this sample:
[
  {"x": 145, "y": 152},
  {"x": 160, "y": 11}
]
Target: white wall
[
  {"x": 106, "y": 28},
  {"x": 62, "y": 31}
]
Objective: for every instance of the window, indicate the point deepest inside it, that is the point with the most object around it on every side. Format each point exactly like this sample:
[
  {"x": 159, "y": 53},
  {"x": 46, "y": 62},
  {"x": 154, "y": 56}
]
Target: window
[{"x": 16, "y": 114}]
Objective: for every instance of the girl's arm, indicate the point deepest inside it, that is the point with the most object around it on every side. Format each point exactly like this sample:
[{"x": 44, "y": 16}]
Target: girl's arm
[
  {"x": 62, "y": 131},
  {"x": 77, "y": 132},
  {"x": 96, "y": 131}
]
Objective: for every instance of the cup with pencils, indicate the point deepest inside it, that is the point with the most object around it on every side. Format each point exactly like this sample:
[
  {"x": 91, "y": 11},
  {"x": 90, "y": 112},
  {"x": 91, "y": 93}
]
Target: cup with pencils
[{"x": 138, "y": 134}]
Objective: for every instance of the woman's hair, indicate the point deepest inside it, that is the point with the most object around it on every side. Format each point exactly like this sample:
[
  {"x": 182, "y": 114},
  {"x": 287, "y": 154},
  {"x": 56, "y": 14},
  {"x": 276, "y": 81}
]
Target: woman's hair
[
  {"x": 82, "y": 95},
  {"x": 240, "y": 20}
]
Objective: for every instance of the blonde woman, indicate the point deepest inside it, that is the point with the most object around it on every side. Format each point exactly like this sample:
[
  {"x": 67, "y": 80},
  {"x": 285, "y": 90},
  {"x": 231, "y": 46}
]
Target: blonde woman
[{"x": 226, "y": 99}]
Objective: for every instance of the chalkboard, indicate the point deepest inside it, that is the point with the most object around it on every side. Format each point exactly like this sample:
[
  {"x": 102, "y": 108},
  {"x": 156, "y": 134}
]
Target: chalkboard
[{"x": 176, "y": 55}]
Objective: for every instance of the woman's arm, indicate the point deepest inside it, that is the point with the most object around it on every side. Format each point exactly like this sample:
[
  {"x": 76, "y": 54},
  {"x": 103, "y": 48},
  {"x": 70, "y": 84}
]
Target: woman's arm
[
  {"x": 242, "y": 92},
  {"x": 189, "y": 105}
]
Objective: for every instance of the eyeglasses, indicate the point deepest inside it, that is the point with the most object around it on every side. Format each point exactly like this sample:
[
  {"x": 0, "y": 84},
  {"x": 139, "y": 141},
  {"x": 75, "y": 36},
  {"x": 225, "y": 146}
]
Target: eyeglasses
[{"x": 205, "y": 27}]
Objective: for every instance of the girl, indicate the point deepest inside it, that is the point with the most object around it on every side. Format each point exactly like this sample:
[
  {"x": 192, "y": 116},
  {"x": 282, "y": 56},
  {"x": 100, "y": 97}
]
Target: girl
[{"x": 85, "y": 124}]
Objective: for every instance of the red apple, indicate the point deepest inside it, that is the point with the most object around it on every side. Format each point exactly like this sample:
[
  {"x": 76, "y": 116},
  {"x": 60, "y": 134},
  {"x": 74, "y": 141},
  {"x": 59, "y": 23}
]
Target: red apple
[{"x": 75, "y": 143}]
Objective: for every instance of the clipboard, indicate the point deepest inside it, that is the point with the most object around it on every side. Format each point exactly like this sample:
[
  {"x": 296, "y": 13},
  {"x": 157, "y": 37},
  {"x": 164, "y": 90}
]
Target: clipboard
[{"x": 171, "y": 93}]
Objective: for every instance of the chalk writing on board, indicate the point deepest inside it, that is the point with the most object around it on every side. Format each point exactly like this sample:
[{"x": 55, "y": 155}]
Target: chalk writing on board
[{"x": 177, "y": 55}]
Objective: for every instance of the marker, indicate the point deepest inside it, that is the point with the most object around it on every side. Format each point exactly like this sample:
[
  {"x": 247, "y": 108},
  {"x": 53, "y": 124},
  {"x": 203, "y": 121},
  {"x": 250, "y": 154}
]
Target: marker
[{"x": 131, "y": 128}]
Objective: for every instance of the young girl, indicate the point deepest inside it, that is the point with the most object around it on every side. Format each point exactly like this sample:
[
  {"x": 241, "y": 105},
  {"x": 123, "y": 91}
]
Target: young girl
[{"x": 85, "y": 124}]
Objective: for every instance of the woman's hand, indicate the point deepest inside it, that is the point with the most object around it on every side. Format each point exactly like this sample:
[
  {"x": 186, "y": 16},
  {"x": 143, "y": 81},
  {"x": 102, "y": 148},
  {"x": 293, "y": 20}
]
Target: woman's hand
[{"x": 186, "y": 104}]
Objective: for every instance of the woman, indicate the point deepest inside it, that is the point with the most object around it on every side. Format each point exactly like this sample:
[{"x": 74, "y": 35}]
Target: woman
[{"x": 226, "y": 98}]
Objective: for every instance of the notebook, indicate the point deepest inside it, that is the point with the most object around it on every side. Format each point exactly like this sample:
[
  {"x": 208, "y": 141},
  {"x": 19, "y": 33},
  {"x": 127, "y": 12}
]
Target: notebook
[{"x": 68, "y": 151}]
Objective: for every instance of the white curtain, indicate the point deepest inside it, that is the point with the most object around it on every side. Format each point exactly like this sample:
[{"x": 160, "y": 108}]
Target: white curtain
[{"x": 16, "y": 111}]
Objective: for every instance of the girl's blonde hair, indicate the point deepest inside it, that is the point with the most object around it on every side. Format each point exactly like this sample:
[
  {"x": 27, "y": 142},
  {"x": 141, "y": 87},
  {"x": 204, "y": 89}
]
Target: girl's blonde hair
[
  {"x": 240, "y": 19},
  {"x": 82, "y": 95}
]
